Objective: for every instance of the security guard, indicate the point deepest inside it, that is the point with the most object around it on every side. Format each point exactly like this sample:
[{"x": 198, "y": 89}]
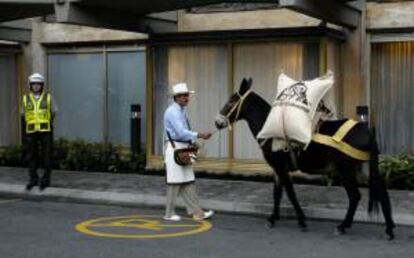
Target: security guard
[{"x": 38, "y": 111}]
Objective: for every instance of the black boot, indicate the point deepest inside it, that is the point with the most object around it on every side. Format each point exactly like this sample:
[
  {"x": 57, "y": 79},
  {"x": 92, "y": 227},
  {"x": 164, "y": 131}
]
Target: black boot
[
  {"x": 32, "y": 182},
  {"x": 45, "y": 182}
]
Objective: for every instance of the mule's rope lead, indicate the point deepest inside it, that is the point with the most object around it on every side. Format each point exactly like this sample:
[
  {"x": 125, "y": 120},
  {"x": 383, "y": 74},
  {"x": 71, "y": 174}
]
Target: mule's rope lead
[{"x": 238, "y": 105}]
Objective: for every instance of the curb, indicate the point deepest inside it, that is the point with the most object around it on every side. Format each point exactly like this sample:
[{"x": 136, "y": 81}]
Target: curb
[{"x": 156, "y": 201}]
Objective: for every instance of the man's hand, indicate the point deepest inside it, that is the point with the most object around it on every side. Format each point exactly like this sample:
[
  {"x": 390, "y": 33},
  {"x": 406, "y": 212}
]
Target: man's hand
[{"x": 204, "y": 136}]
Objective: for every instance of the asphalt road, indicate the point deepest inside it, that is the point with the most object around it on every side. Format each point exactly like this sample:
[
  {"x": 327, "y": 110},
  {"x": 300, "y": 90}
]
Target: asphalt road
[{"x": 52, "y": 229}]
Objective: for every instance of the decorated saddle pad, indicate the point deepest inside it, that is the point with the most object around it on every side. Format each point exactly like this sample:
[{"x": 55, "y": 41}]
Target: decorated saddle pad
[
  {"x": 338, "y": 135},
  {"x": 293, "y": 110}
]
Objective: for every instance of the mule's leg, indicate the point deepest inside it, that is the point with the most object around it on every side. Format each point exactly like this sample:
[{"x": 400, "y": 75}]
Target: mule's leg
[
  {"x": 386, "y": 209},
  {"x": 354, "y": 196},
  {"x": 277, "y": 196},
  {"x": 290, "y": 191}
]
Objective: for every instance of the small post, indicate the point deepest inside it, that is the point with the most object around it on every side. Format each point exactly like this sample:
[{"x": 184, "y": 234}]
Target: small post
[
  {"x": 136, "y": 128},
  {"x": 362, "y": 113}
]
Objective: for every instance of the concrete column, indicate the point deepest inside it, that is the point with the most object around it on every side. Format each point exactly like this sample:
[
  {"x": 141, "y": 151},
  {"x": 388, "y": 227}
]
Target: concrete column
[
  {"x": 38, "y": 51},
  {"x": 354, "y": 68}
]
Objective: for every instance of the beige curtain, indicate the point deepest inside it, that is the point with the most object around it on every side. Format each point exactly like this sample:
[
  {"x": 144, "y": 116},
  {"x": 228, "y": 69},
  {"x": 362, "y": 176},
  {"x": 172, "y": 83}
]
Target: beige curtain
[
  {"x": 263, "y": 62},
  {"x": 204, "y": 69},
  {"x": 333, "y": 98},
  {"x": 392, "y": 94}
]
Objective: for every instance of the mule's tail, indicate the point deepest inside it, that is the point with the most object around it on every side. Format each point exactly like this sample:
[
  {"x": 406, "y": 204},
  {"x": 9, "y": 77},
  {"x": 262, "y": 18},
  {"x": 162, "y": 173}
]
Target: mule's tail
[{"x": 374, "y": 175}]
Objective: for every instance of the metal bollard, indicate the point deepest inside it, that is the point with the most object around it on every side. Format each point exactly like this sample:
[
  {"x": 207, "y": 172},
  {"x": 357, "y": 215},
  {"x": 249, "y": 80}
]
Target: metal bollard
[
  {"x": 136, "y": 128},
  {"x": 362, "y": 113}
]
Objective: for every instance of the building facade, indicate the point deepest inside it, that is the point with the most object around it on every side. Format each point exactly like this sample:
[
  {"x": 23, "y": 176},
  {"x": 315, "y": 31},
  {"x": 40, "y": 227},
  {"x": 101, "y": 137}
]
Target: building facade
[{"x": 96, "y": 74}]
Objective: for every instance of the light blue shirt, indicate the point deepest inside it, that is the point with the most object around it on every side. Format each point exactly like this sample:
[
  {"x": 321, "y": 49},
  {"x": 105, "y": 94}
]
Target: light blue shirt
[{"x": 175, "y": 122}]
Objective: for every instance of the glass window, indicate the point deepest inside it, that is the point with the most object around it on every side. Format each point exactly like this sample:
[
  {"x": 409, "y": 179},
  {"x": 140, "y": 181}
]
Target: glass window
[
  {"x": 9, "y": 107},
  {"x": 77, "y": 85},
  {"x": 160, "y": 98},
  {"x": 126, "y": 86}
]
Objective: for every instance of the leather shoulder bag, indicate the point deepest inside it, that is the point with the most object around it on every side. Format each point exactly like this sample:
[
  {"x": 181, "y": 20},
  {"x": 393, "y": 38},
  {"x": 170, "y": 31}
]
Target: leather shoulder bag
[{"x": 184, "y": 156}]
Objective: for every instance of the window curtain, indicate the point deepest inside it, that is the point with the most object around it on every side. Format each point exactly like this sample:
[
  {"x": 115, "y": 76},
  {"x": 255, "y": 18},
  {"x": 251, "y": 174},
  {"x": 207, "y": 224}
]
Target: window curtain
[
  {"x": 263, "y": 62},
  {"x": 334, "y": 96},
  {"x": 392, "y": 93},
  {"x": 9, "y": 107},
  {"x": 204, "y": 69}
]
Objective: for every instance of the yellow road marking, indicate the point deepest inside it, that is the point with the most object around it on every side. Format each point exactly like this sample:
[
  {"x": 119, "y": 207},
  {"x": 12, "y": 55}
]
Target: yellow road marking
[
  {"x": 135, "y": 223},
  {"x": 141, "y": 223},
  {"x": 9, "y": 201}
]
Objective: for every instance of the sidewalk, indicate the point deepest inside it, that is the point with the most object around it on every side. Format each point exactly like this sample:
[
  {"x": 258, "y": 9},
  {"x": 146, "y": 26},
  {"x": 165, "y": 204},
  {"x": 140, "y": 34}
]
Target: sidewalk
[{"x": 242, "y": 197}]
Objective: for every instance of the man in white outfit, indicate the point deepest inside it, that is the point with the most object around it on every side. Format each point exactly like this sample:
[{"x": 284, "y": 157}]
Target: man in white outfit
[{"x": 181, "y": 179}]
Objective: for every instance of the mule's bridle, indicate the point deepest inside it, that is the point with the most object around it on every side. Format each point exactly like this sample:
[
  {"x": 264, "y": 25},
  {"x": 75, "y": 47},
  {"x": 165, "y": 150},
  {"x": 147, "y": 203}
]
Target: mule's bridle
[{"x": 237, "y": 107}]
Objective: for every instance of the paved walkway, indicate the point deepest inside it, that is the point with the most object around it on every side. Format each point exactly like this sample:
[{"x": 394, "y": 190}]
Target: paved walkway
[{"x": 222, "y": 195}]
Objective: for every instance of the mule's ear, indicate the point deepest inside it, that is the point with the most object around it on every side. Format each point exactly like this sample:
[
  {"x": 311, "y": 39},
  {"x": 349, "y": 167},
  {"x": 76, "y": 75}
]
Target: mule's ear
[
  {"x": 244, "y": 86},
  {"x": 250, "y": 82},
  {"x": 243, "y": 83}
]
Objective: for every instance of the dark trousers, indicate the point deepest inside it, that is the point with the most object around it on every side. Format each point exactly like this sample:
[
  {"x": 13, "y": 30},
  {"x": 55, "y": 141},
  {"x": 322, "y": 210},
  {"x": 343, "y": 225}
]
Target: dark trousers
[{"x": 39, "y": 152}]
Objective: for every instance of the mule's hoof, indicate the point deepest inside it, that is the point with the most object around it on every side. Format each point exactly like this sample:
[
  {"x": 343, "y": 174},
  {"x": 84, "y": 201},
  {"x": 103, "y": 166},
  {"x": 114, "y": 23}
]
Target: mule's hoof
[
  {"x": 389, "y": 235},
  {"x": 339, "y": 231},
  {"x": 303, "y": 227},
  {"x": 269, "y": 224}
]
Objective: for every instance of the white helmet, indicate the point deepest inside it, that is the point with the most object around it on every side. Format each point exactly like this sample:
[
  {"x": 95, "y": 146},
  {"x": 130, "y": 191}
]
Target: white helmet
[{"x": 36, "y": 78}]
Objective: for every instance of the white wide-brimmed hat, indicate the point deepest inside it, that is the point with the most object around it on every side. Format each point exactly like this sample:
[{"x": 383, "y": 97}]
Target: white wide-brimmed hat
[{"x": 181, "y": 88}]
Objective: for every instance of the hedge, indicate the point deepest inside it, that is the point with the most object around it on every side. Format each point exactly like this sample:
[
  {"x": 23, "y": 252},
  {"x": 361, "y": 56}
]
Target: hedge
[
  {"x": 105, "y": 157},
  {"x": 81, "y": 156}
]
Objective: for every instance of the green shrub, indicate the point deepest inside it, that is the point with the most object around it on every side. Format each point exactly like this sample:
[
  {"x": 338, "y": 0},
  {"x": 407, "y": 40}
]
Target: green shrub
[
  {"x": 398, "y": 171},
  {"x": 11, "y": 156},
  {"x": 82, "y": 156}
]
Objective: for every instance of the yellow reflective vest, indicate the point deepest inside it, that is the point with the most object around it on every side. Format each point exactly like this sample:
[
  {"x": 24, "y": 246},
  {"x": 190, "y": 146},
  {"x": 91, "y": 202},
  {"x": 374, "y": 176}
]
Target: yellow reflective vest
[{"x": 37, "y": 113}]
